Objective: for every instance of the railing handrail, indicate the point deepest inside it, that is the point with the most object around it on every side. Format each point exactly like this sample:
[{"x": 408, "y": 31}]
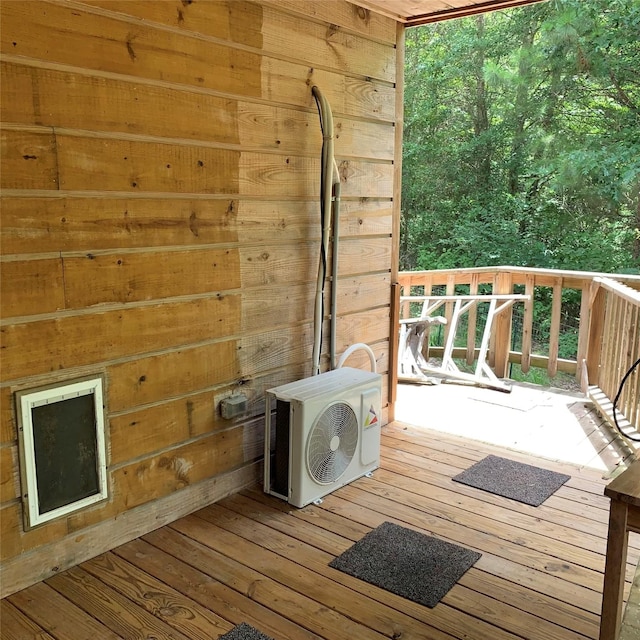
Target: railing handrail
[
  {"x": 621, "y": 290},
  {"x": 566, "y": 273}
]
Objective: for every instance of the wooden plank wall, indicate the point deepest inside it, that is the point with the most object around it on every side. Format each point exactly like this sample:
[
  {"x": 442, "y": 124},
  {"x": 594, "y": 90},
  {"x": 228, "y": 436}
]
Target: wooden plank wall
[{"x": 160, "y": 227}]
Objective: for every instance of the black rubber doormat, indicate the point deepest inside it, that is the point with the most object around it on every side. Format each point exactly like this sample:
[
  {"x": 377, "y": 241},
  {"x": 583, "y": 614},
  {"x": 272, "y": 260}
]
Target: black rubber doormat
[
  {"x": 406, "y": 562},
  {"x": 244, "y": 631},
  {"x": 510, "y": 479}
]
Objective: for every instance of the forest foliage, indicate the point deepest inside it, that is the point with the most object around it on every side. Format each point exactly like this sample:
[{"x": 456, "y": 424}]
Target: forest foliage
[{"x": 522, "y": 139}]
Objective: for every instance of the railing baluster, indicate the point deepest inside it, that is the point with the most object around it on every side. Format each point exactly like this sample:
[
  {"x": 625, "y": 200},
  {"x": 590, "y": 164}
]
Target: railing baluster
[
  {"x": 527, "y": 323},
  {"x": 472, "y": 318}
]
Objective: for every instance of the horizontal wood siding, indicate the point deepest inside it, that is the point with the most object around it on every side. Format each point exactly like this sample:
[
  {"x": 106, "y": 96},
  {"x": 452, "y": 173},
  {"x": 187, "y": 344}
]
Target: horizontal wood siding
[{"x": 160, "y": 227}]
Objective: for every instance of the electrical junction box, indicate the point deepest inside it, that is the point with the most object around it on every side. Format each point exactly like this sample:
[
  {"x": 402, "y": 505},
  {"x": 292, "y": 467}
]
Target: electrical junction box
[{"x": 233, "y": 405}]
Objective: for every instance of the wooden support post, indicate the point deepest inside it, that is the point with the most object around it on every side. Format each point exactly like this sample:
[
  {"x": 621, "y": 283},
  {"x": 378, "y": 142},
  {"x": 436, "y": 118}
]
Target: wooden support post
[
  {"x": 502, "y": 327},
  {"x": 393, "y": 348}
]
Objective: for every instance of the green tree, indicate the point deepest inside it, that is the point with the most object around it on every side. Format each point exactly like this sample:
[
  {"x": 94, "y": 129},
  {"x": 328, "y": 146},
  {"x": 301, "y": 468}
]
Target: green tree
[{"x": 522, "y": 139}]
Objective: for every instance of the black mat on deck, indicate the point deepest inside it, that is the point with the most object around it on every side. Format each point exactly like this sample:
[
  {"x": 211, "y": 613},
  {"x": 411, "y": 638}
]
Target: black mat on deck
[
  {"x": 244, "y": 631},
  {"x": 407, "y": 563},
  {"x": 510, "y": 479}
]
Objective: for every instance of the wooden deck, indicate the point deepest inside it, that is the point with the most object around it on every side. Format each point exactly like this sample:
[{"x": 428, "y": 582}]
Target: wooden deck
[{"x": 251, "y": 558}]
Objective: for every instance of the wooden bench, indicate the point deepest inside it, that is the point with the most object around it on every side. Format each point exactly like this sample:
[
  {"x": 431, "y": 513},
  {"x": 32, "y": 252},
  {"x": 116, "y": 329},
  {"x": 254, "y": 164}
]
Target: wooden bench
[{"x": 624, "y": 516}]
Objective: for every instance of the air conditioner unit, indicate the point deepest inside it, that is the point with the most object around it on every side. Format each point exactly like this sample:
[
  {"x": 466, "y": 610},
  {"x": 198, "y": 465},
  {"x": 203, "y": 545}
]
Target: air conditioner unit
[{"x": 326, "y": 433}]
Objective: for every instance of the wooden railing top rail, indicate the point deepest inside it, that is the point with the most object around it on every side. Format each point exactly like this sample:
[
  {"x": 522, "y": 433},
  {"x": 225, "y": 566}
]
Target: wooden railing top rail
[
  {"x": 623, "y": 291},
  {"x": 543, "y": 277}
]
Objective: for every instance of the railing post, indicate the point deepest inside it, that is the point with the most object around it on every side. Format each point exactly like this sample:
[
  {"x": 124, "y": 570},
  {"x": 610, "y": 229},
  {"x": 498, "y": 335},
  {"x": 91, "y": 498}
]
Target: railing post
[
  {"x": 393, "y": 349},
  {"x": 597, "y": 296},
  {"x": 583, "y": 336},
  {"x": 502, "y": 327}
]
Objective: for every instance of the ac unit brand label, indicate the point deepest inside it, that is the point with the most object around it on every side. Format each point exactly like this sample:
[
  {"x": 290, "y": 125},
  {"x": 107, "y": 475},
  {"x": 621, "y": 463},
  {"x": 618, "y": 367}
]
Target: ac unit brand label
[{"x": 372, "y": 417}]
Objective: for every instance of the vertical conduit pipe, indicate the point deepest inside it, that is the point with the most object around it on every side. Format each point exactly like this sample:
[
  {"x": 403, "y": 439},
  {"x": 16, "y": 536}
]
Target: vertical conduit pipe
[{"x": 329, "y": 177}]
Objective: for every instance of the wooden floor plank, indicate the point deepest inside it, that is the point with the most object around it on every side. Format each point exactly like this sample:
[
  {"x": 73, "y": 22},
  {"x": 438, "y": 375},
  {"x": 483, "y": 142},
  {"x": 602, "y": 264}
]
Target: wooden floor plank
[
  {"x": 168, "y": 604},
  {"x": 124, "y": 617},
  {"x": 253, "y": 558},
  {"x": 57, "y": 615},
  {"x": 15, "y": 625}
]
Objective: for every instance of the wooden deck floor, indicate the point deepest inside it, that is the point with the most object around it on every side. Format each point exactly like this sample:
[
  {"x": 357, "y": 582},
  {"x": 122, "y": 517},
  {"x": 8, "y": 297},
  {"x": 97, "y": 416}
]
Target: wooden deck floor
[
  {"x": 250, "y": 558},
  {"x": 549, "y": 423}
]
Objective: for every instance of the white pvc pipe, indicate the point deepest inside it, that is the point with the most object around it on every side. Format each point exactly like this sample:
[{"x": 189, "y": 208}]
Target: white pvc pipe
[{"x": 356, "y": 347}]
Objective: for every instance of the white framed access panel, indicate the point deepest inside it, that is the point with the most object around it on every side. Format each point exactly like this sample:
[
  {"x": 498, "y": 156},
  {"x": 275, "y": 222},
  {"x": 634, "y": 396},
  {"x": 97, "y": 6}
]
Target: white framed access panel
[{"x": 61, "y": 439}]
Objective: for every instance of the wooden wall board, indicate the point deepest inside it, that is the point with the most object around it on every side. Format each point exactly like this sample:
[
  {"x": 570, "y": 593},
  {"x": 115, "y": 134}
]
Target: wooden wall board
[
  {"x": 153, "y": 428},
  {"x": 234, "y": 20},
  {"x": 83, "y": 339},
  {"x": 128, "y": 165},
  {"x": 353, "y": 96},
  {"x": 364, "y": 255},
  {"x": 150, "y": 379},
  {"x": 329, "y": 46},
  {"x": 30, "y": 287},
  {"x": 71, "y": 222},
  {"x": 90, "y": 224},
  {"x": 15, "y": 540},
  {"x": 343, "y": 14},
  {"x": 77, "y": 163},
  {"x": 8, "y": 432},
  {"x": 140, "y": 482},
  {"x": 134, "y": 277},
  {"x": 364, "y": 217},
  {"x": 110, "y": 43},
  {"x": 270, "y": 176},
  {"x": 365, "y": 326},
  {"x": 29, "y": 160},
  {"x": 361, "y": 292},
  {"x": 64, "y": 98},
  {"x": 9, "y": 486}
]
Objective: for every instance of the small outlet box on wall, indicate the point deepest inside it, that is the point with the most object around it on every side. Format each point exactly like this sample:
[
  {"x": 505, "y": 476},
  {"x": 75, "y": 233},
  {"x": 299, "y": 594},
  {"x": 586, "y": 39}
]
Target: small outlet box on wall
[{"x": 233, "y": 405}]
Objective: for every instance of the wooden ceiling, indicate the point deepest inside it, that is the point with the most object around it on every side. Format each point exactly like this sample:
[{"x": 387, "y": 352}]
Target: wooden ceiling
[{"x": 415, "y": 12}]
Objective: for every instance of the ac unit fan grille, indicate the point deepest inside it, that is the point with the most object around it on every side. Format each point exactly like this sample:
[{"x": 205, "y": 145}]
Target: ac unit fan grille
[{"x": 332, "y": 443}]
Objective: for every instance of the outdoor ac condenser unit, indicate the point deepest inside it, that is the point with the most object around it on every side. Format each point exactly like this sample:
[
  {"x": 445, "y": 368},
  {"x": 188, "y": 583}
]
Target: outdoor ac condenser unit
[{"x": 325, "y": 434}]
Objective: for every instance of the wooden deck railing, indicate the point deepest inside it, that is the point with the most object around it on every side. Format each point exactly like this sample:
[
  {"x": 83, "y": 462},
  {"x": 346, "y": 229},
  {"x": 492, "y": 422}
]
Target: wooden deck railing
[
  {"x": 607, "y": 325},
  {"x": 614, "y": 348}
]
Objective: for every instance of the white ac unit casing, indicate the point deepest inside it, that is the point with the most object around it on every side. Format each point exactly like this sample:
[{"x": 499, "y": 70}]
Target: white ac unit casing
[{"x": 324, "y": 434}]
